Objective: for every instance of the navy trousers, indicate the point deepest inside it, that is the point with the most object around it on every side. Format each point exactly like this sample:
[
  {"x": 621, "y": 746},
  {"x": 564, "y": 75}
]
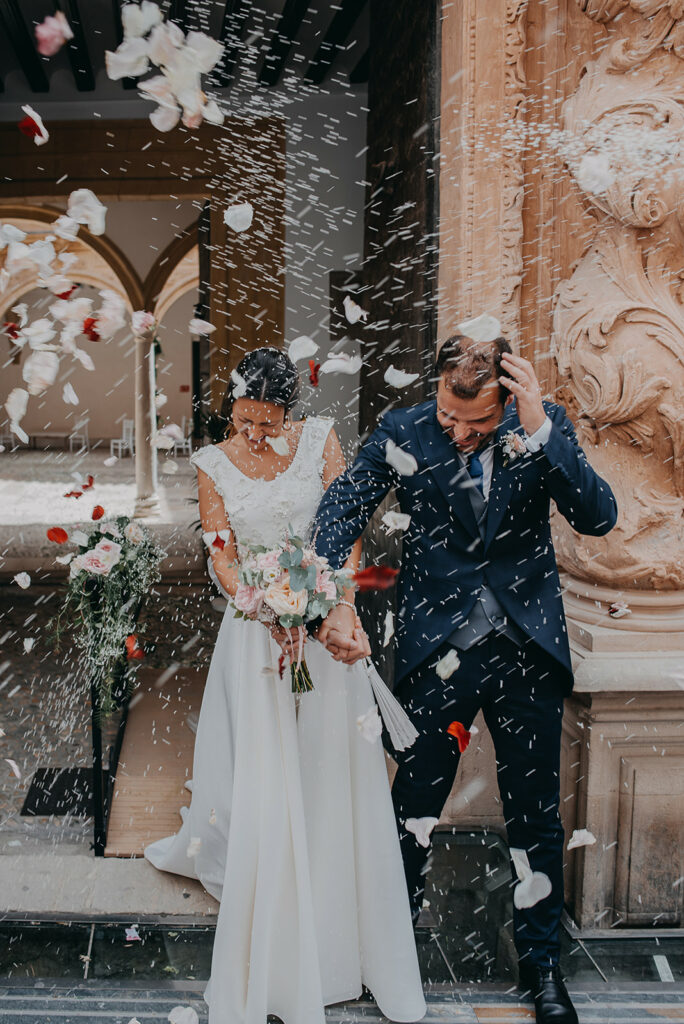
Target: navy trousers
[{"x": 521, "y": 697}]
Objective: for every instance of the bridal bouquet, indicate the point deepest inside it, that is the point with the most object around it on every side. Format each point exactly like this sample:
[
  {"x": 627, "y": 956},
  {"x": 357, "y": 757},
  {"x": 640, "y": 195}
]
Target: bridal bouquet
[{"x": 290, "y": 585}]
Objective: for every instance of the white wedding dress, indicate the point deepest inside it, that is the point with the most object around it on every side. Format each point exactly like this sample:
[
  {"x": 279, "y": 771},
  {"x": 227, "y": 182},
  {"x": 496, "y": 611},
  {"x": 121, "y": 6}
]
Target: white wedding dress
[{"x": 291, "y": 808}]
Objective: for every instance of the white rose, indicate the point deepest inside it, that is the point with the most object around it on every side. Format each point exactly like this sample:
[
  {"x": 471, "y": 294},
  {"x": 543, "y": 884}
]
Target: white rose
[
  {"x": 284, "y": 601},
  {"x": 40, "y": 370},
  {"x": 134, "y": 533}
]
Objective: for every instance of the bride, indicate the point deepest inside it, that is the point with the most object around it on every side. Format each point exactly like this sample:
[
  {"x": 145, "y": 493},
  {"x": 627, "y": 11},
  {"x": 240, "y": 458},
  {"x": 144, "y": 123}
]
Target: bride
[{"x": 291, "y": 824}]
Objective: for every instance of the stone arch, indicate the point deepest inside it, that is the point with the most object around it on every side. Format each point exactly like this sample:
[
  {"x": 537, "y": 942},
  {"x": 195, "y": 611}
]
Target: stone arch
[
  {"x": 100, "y": 262},
  {"x": 175, "y": 272}
]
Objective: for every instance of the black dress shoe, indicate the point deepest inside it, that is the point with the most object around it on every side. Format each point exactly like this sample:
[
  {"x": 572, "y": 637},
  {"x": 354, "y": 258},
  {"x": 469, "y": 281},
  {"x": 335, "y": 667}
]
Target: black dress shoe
[{"x": 552, "y": 1003}]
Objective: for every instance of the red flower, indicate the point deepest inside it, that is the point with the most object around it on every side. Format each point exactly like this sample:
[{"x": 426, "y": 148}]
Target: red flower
[
  {"x": 314, "y": 367},
  {"x": 57, "y": 534},
  {"x": 12, "y": 330},
  {"x": 89, "y": 484},
  {"x": 74, "y": 494},
  {"x": 98, "y": 512},
  {"x": 89, "y": 328},
  {"x": 375, "y": 577},
  {"x": 218, "y": 542},
  {"x": 68, "y": 293},
  {"x": 461, "y": 734},
  {"x": 133, "y": 652}
]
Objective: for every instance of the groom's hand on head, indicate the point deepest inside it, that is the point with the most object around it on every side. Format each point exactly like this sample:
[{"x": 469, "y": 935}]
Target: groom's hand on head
[{"x": 521, "y": 381}]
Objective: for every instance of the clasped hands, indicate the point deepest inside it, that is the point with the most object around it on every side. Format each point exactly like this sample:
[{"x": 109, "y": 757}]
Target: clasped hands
[{"x": 341, "y": 633}]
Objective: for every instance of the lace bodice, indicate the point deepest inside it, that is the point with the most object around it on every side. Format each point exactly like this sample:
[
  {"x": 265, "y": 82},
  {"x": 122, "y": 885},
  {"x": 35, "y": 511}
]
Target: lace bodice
[{"x": 261, "y": 511}]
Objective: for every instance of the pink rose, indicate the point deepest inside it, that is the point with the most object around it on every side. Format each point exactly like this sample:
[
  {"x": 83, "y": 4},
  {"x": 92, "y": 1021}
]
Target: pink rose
[
  {"x": 51, "y": 35},
  {"x": 326, "y": 585},
  {"x": 248, "y": 600}
]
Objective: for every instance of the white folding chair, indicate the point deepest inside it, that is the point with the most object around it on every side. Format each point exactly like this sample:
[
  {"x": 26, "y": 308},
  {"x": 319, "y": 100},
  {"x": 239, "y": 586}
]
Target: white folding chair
[
  {"x": 119, "y": 446},
  {"x": 184, "y": 447},
  {"x": 79, "y": 436}
]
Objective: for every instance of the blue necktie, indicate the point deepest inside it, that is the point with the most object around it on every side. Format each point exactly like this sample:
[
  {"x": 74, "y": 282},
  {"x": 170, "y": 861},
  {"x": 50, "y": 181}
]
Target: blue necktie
[{"x": 474, "y": 467}]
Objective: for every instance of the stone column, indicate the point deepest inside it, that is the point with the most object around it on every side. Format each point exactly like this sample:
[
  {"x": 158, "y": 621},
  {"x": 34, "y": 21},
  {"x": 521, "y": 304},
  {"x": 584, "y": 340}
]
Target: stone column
[
  {"x": 618, "y": 338},
  {"x": 146, "y": 499}
]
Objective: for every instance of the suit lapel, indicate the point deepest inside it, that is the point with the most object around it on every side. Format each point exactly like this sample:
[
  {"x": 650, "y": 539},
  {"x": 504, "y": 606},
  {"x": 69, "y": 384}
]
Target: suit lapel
[
  {"x": 503, "y": 478},
  {"x": 442, "y": 461}
]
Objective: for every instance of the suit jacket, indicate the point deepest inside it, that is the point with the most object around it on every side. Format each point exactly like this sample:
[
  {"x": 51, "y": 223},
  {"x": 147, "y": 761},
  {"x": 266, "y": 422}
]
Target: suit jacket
[{"x": 445, "y": 561}]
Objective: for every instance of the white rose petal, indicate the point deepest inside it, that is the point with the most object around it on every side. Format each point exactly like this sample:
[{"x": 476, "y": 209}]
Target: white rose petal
[
  {"x": 447, "y": 665},
  {"x": 40, "y": 370},
  {"x": 10, "y": 233},
  {"x": 64, "y": 559},
  {"x": 71, "y": 311},
  {"x": 278, "y": 444},
  {"x": 239, "y": 384},
  {"x": 164, "y": 442},
  {"x": 239, "y": 216},
  {"x": 39, "y": 333},
  {"x": 212, "y": 113},
  {"x": 111, "y": 460},
  {"x": 404, "y": 463},
  {"x": 16, "y": 403},
  {"x": 183, "y": 1015},
  {"x": 370, "y": 725},
  {"x": 193, "y": 846},
  {"x": 422, "y": 829},
  {"x": 173, "y": 431},
  {"x": 84, "y": 359},
  {"x": 66, "y": 228},
  {"x": 160, "y": 400},
  {"x": 206, "y": 51},
  {"x": 132, "y": 934},
  {"x": 85, "y": 208},
  {"x": 170, "y": 466},
  {"x": 165, "y": 118},
  {"x": 389, "y": 628},
  {"x": 399, "y": 378},
  {"x": 69, "y": 395},
  {"x": 302, "y": 347},
  {"x": 2, "y": 448},
  {"x": 14, "y": 766},
  {"x": 481, "y": 328},
  {"x": 4, "y": 280},
  {"x": 29, "y": 643},
  {"x": 342, "y": 363},
  {"x": 353, "y": 311},
  {"x": 533, "y": 886},
  {"x": 396, "y": 521},
  {"x": 22, "y": 312},
  {"x": 595, "y": 174},
  {"x": 581, "y": 837},
  {"x": 619, "y": 609},
  {"x": 164, "y": 40},
  {"x": 79, "y": 537},
  {"x": 129, "y": 60},
  {"x": 197, "y": 326},
  {"x": 139, "y": 19}
]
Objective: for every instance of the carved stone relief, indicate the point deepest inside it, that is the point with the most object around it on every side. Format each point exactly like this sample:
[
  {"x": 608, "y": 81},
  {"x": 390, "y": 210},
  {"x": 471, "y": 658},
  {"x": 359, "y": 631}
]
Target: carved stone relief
[{"x": 619, "y": 320}]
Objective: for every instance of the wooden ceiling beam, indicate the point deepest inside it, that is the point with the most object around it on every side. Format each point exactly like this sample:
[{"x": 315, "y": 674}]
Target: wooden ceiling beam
[
  {"x": 359, "y": 74},
  {"x": 333, "y": 41},
  {"x": 283, "y": 39},
  {"x": 235, "y": 14},
  {"x": 23, "y": 45},
  {"x": 76, "y": 48}
]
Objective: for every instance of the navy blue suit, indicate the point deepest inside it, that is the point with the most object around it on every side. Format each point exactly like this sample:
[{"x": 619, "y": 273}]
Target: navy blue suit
[{"x": 446, "y": 561}]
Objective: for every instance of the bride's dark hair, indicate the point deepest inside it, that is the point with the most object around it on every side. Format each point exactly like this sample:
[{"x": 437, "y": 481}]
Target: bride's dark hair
[{"x": 269, "y": 375}]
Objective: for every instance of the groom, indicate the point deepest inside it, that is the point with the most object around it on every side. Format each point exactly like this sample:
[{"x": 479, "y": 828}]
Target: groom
[{"x": 479, "y": 589}]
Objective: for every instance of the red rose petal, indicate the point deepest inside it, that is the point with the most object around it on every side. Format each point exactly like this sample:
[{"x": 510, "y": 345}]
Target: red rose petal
[
  {"x": 29, "y": 127},
  {"x": 67, "y": 294},
  {"x": 133, "y": 651},
  {"x": 74, "y": 494},
  {"x": 314, "y": 367},
  {"x": 91, "y": 481},
  {"x": 218, "y": 542},
  {"x": 89, "y": 328},
  {"x": 460, "y": 732},
  {"x": 375, "y": 577},
  {"x": 57, "y": 534},
  {"x": 98, "y": 512},
  {"x": 12, "y": 330}
]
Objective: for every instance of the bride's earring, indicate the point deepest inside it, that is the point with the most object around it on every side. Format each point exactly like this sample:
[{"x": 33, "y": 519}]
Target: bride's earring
[{"x": 287, "y": 423}]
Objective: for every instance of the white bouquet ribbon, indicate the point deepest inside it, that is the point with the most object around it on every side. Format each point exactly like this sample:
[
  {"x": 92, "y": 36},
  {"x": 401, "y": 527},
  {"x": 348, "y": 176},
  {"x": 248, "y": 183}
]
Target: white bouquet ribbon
[{"x": 401, "y": 730}]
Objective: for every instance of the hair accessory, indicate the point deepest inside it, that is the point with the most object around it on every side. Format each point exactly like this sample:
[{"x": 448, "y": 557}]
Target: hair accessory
[{"x": 481, "y": 328}]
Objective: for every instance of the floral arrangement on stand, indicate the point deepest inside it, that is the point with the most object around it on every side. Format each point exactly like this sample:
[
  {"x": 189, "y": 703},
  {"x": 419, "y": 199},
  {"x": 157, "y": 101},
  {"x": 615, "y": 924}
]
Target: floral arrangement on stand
[{"x": 109, "y": 576}]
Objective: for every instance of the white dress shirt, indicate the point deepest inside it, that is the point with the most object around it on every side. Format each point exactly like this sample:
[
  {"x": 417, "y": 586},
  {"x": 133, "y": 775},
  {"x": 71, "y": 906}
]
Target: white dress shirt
[{"x": 533, "y": 443}]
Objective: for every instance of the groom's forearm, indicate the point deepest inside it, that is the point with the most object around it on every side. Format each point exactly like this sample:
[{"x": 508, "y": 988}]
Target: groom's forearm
[{"x": 583, "y": 497}]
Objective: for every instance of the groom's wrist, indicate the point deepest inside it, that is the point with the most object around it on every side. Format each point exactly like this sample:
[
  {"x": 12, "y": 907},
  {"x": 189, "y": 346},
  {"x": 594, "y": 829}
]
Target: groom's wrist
[{"x": 536, "y": 441}]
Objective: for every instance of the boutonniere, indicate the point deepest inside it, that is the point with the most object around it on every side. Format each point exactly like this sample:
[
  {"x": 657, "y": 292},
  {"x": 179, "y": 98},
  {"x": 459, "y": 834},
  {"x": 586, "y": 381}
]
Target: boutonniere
[{"x": 513, "y": 446}]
